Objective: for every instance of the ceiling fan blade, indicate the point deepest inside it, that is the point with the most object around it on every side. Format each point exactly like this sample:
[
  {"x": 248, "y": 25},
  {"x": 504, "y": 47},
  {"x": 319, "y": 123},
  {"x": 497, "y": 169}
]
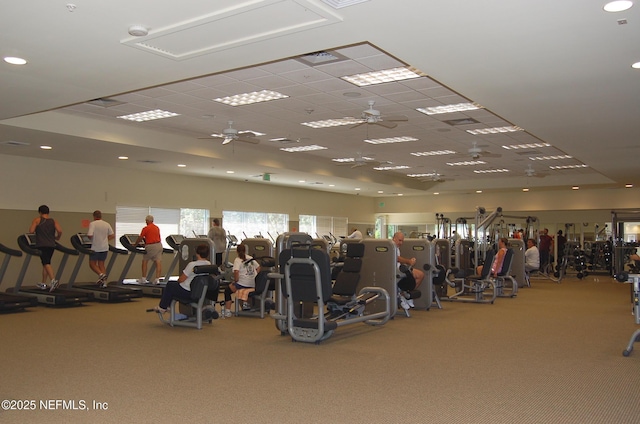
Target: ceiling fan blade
[
  {"x": 395, "y": 118},
  {"x": 490, "y": 155},
  {"x": 227, "y": 140},
  {"x": 245, "y": 139},
  {"x": 358, "y": 124},
  {"x": 386, "y": 124}
]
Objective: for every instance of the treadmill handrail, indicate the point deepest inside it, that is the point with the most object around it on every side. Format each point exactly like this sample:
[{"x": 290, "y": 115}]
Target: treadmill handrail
[{"x": 9, "y": 251}]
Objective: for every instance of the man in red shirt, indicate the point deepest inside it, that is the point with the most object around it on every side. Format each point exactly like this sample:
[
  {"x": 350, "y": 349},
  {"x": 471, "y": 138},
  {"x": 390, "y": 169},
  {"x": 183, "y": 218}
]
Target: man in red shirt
[{"x": 150, "y": 235}]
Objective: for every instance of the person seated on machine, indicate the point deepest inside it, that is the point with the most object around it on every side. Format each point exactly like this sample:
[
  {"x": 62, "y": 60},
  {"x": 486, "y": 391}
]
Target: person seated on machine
[
  {"x": 531, "y": 257},
  {"x": 412, "y": 277},
  {"x": 181, "y": 289},
  {"x": 245, "y": 269},
  {"x": 498, "y": 259}
]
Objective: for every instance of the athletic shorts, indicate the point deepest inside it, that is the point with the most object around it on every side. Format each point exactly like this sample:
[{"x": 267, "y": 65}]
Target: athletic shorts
[
  {"x": 46, "y": 254},
  {"x": 408, "y": 282},
  {"x": 98, "y": 256},
  {"x": 154, "y": 252}
]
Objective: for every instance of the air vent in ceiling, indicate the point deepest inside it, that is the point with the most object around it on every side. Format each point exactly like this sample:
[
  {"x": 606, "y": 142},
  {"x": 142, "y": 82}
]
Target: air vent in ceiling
[
  {"x": 321, "y": 58},
  {"x": 463, "y": 121},
  {"x": 15, "y": 143},
  {"x": 149, "y": 161}
]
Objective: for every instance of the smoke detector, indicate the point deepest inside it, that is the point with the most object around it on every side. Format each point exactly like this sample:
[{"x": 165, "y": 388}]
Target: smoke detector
[{"x": 138, "y": 30}]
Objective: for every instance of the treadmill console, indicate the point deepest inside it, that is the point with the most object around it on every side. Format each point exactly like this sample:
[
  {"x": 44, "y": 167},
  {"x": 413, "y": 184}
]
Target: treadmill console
[
  {"x": 84, "y": 239},
  {"x": 31, "y": 237},
  {"x": 131, "y": 238}
]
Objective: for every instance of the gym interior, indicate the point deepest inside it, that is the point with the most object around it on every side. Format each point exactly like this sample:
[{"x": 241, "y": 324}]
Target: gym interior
[{"x": 558, "y": 350}]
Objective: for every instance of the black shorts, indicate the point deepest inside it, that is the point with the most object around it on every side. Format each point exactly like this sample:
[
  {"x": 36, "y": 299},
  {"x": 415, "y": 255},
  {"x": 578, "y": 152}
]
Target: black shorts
[
  {"x": 407, "y": 283},
  {"x": 45, "y": 254}
]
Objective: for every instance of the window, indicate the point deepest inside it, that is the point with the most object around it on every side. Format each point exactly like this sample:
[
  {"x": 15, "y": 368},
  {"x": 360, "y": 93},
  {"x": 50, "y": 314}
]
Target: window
[
  {"x": 318, "y": 226},
  {"x": 254, "y": 224},
  {"x": 187, "y": 222}
]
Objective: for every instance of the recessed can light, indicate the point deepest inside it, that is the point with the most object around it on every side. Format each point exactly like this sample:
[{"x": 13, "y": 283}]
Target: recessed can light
[
  {"x": 15, "y": 60},
  {"x": 618, "y": 6}
]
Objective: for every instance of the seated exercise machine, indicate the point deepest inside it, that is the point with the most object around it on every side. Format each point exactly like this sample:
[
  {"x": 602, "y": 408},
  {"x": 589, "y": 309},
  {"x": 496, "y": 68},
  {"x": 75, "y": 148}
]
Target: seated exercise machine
[
  {"x": 307, "y": 279},
  {"x": 633, "y": 279},
  {"x": 205, "y": 280},
  {"x": 12, "y": 302},
  {"x": 472, "y": 288},
  {"x": 261, "y": 299}
]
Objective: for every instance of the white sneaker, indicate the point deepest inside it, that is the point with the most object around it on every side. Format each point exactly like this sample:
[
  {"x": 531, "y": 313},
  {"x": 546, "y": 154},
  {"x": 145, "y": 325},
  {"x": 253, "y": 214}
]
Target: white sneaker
[
  {"x": 410, "y": 303},
  {"x": 156, "y": 281},
  {"x": 228, "y": 313},
  {"x": 143, "y": 281},
  {"x": 404, "y": 303},
  {"x": 54, "y": 285},
  {"x": 42, "y": 286}
]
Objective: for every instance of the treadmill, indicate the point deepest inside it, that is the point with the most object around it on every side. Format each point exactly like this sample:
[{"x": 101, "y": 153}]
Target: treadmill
[
  {"x": 60, "y": 296},
  {"x": 82, "y": 243},
  {"x": 150, "y": 289},
  {"x": 174, "y": 241},
  {"x": 12, "y": 302}
]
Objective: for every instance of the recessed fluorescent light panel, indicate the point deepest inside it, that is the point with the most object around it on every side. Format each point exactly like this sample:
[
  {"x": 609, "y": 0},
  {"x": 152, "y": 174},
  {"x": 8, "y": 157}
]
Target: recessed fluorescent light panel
[
  {"x": 349, "y": 160},
  {"x": 339, "y": 4},
  {"x": 431, "y": 174},
  {"x": 433, "y": 153},
  {"x": 568, "y": 166},
  {"x": 460, "y": 107},
  {"x": 526, "y": 146},
  {"x": 490, "y": 171},
  {"x": 391, "y": 140},
  {"x": 495, "y": 130},
  {"x": 328, "y": 123},
  {"x": 467, "y": 163},
  {"x": 148, "y": 116},
  {"x": 390, "y": 168},
  {"x": 250, "y": 98},
  {"x": 380, "y": 77},
  {"x": 556, "y": 157},
  {"x": 303, "y": 148}
]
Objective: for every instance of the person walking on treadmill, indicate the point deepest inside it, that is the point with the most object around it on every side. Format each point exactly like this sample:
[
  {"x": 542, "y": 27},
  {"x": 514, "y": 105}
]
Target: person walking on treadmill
[
  {"x": 47, "y": 231},
  {"x": 153, "y": 246},
  {"x": 219, "y": 237},
  {"x": 100, "y": 232}
]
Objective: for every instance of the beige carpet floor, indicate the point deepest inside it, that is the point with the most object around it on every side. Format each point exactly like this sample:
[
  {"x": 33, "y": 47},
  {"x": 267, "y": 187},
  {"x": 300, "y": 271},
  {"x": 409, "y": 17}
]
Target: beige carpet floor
[{"x": 551, "y": 355}]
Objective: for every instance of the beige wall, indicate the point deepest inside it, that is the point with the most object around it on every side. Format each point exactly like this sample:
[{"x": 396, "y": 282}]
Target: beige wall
[{"x": 73, "y": 191}]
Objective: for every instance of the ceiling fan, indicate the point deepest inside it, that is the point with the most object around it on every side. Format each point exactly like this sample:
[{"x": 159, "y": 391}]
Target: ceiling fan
[
  {"x": 434, "y": 177},
  {"x": 287, "y": 140},
  {"x": 358, "y": 161},
  {"x": 530, "y": 172},
  {"x": 477, "y": 152},
  {"x": 373, "y": 116},
  {"x": 231, "y": 134}
]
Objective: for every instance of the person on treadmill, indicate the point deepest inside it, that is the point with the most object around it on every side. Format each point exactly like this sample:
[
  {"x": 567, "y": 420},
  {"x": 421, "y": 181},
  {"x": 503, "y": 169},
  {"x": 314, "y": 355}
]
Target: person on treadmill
[
  {"x": 47, "y": 231},
  {"x": 153, "y": 246},
  {"x": 181, "y": 289},
  {"x": 100, "y": 232}
]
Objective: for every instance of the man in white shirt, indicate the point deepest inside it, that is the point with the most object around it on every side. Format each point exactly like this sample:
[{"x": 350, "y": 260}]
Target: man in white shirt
[
  {"x": 355, "y": 234},
  {"x": 100, "y": 232},
  {"x": 531, "y": 256}
]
